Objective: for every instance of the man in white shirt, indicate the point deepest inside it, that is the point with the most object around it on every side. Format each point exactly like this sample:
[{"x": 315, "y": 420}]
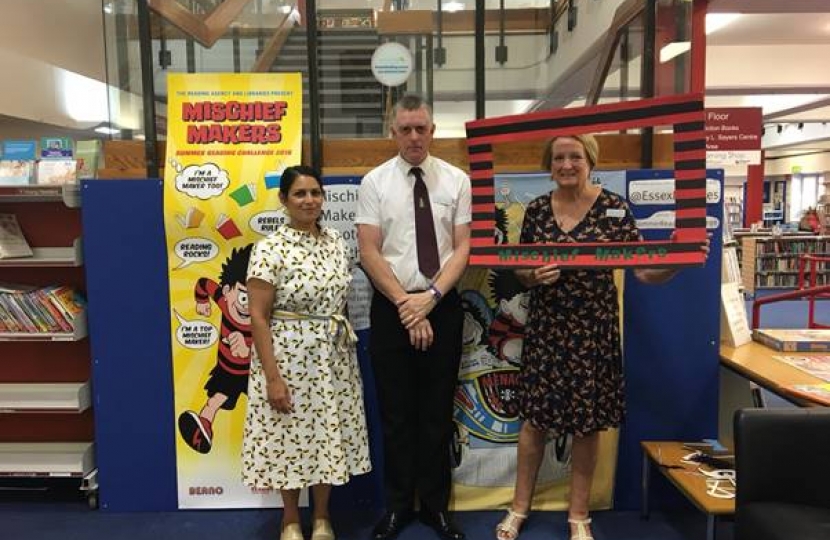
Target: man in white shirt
[{"x": 416, "y": 315}]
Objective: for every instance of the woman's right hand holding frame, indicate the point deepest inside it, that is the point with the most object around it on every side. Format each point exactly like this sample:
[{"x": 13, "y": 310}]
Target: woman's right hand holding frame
[{"x": 542, "y": 275}]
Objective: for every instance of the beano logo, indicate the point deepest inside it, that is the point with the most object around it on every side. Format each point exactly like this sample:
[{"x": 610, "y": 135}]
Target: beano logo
[{"x": 206, "y": 490}]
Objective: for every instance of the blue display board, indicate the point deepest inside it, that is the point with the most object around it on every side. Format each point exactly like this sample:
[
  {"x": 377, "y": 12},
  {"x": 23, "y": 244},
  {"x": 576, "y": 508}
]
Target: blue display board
[
  {"x": 128, "y": 314},
  {"x": 671, "y": 353},
  {"x": 671, "y": 340}
]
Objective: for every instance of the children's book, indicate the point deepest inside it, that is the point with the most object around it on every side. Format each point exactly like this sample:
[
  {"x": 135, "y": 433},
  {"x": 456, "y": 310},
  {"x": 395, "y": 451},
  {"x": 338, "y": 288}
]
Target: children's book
[
  {"x": 88, "y": 156},
  {"x": 16, "y": 172},
  {"x": 56, "y": 171},
  {"x": 55, "y": 147},
  {"x": 12, "y": 242},
  {"x": 817, "y": 365},
  {"x": 19, "y": 150},
  {"x": 802, "y": 340},
  {"x": 68, "y": 303}
]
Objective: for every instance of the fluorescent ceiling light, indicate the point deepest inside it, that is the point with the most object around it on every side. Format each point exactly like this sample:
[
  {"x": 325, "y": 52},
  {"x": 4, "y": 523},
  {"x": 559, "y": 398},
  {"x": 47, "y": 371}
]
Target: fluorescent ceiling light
[
  {"x": 286, "y": 9},
  {"x": 105, "y": 130},
  {"x": 452, "y": 7},
  {"x": 675, "y": 48},
  {"x": 84, "y": 99},
  {"x": 716, "y": 21}
]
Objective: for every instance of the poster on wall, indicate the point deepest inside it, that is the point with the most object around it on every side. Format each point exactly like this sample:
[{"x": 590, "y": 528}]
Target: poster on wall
[
  {"x": 486, "y": 417},
  {"x": 229, "y": 138}
]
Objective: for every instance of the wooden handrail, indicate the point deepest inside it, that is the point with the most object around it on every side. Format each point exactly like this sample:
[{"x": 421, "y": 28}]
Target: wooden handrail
[
  {"x": 206, "y": 30},
  {"x": 273, "y": 47}
]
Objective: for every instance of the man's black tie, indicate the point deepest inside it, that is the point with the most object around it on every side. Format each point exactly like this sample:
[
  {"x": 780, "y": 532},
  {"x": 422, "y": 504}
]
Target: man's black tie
[{"x": 428, "y": 260}]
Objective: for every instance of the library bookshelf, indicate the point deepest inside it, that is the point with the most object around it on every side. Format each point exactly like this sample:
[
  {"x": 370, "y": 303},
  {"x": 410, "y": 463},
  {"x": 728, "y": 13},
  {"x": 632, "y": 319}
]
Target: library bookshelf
[
  {"x": 46, "y": 420},
  {"x": 772, "y": 262}
]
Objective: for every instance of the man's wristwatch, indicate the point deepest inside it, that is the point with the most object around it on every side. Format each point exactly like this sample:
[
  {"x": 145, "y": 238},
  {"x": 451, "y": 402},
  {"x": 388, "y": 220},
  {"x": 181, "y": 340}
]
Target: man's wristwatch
[{"x": 436, "y": 294}]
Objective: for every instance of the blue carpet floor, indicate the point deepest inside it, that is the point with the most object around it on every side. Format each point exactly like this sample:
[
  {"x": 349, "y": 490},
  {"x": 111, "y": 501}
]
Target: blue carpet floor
[
  {"x": 39, "y": 517},
  {"x": 73, "y": 521},
  {"x": 788, "y": 314}
]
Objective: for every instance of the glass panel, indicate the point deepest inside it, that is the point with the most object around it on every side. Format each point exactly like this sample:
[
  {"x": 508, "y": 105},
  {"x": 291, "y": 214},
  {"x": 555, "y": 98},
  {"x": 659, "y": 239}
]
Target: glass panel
[
  {"x": 624, "y": 74},
  {"x": 810, "y": 191},
  {"x": 673, "y": 44},
  {"x": 545, "y": 58},
  {"x": 795, "y": 198},
  {"x": 123, "y": 72}
]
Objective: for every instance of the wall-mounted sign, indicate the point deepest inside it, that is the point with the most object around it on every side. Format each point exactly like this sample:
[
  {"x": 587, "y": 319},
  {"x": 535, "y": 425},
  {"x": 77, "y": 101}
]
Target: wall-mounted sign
[
  {"x": 392, "y": 64},
  {"x": 661, "y": 191},
  {"x": 733, "y": 136}
]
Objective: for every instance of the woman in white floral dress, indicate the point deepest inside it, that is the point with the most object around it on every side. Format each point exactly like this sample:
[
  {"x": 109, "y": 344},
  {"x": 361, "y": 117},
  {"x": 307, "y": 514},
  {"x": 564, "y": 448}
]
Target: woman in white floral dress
[{"x": 305, "y": 424}]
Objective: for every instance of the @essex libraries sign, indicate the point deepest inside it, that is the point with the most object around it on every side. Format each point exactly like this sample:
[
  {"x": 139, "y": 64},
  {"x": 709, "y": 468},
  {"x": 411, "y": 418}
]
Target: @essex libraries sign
[{"x": 683, "y": 112}]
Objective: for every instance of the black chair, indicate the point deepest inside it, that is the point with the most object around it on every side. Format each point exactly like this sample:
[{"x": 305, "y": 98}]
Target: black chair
[{"x": 782, "y": 463}]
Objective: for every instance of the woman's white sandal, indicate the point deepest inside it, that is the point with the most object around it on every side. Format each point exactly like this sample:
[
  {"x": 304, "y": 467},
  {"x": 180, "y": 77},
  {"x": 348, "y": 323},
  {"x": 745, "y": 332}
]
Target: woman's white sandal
[
  {"x": 508, "y": 528},
  {"x": 582, "y": 530}
]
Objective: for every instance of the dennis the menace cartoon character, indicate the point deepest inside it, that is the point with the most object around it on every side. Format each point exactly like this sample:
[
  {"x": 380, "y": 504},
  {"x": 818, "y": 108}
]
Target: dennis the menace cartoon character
[{"x": 229, "y": 377}]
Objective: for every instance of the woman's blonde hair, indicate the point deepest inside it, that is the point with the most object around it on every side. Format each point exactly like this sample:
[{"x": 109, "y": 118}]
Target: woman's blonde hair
[{"x": 588, "y": 142}]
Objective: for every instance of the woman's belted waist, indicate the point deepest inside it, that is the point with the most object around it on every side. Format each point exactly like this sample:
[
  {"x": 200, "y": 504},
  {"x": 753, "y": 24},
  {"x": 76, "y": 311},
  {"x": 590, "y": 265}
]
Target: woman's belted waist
[{"x": 339, "y": 327}]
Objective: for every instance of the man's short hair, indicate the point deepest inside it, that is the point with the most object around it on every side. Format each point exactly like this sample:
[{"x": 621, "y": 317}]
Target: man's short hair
[{"x": 411, "y": 102}]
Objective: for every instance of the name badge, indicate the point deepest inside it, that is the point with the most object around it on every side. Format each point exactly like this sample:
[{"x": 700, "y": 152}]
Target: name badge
[{"x": 615, "y": 212}]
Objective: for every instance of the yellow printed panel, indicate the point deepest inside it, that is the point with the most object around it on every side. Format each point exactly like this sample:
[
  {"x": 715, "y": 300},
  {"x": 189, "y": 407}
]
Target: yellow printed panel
[{"x": 229, "y": 138}]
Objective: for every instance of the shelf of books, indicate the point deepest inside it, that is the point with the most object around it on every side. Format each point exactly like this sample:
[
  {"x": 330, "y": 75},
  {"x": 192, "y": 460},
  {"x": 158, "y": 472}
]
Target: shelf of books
[
  {"x": 77, "y": 333},
  {"x": 733, "y": 212},
  {"x": 55, "y": 459},
  {"x": 46, "y": 420},
  {"x": 772, "y": 262},
  {"x": 41, "y": 397}
]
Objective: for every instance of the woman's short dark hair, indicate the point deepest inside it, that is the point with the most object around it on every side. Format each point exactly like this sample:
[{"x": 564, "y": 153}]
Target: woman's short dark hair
[{"x": 290, "y": 174}]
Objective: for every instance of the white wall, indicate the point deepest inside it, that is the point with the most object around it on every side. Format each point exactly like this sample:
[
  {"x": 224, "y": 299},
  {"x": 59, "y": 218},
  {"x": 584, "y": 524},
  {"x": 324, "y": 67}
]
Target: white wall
[
  {"x": 815, "y": 163},
  {"x": 48, "y": 48},
  {"x": 767, "y": 66},
  {"x": 64, "y": 33}
]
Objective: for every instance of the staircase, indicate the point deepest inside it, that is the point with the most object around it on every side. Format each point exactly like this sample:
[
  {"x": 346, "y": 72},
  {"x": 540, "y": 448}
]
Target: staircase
[{"x": 351, "y": 99}]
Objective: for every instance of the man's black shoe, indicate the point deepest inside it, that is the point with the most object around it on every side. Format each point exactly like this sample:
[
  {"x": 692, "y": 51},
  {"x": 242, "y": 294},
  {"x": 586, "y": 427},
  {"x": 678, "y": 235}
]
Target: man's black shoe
[
  {"x": 441, "y": 524},
  {"x": 391, "y": 524}
]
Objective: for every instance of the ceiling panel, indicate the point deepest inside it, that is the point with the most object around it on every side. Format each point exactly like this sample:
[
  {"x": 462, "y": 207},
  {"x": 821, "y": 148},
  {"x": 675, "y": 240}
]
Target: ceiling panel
[{"x": 780, "y": 28}]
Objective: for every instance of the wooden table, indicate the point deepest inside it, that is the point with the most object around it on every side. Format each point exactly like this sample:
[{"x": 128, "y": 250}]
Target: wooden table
[
  {"x": 691, "y": 483},
  {"x": 755, "y": 362}
]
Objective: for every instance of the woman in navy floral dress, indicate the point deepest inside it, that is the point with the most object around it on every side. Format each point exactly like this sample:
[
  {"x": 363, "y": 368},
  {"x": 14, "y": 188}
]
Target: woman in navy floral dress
[{"x": 571, "y": 379}]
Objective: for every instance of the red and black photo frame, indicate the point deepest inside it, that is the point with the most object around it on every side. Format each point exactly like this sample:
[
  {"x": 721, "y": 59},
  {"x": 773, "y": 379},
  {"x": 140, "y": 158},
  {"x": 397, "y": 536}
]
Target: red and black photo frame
[{"x": 684, "y": 113}]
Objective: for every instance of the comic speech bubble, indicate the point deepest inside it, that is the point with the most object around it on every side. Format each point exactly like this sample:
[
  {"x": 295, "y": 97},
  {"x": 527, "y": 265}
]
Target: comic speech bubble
[
  {"x": 192, "y": 250},
  {"x": 195, "y": 334},
  {"x": 202, "y": 181},
  {"x": 265, "y": 223}
]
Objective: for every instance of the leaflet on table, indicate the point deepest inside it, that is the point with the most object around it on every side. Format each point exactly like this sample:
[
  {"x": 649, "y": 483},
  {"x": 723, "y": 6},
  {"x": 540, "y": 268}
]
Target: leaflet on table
[{"x": 816, "y": 365}]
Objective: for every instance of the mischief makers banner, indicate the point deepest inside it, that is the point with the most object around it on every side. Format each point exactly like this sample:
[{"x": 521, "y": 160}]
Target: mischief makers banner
[{"x": 229, "y": 138}]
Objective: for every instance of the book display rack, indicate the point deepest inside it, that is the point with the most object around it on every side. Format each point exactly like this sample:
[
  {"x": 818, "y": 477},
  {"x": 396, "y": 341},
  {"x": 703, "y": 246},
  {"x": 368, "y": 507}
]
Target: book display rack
[{"x": 46, "y": 422}]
